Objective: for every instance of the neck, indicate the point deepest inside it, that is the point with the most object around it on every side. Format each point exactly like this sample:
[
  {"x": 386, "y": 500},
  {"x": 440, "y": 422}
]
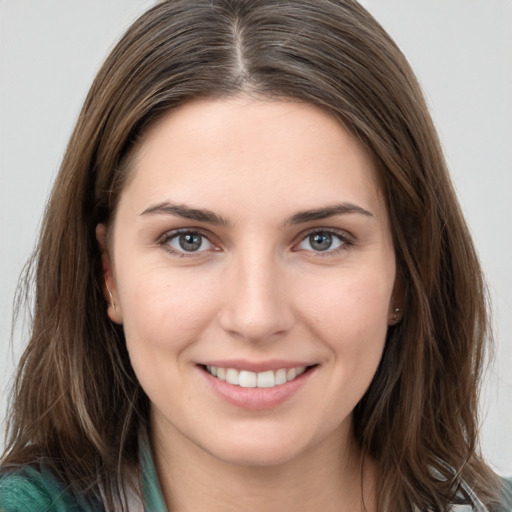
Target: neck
[{"x": 332, "y": 480}]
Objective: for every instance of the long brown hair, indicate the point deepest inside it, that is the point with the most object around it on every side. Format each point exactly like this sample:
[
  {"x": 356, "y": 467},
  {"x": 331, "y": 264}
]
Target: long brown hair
[{"x": 77, "y": 406}]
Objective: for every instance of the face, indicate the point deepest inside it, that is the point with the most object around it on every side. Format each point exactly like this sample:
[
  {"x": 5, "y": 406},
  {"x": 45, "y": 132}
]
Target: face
[{"x": 252, "y": 267}]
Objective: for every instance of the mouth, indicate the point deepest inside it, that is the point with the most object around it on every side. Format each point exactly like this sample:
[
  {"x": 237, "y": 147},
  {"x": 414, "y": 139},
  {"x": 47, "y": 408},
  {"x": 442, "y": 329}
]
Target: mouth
[{"x": 249, "y": 379}]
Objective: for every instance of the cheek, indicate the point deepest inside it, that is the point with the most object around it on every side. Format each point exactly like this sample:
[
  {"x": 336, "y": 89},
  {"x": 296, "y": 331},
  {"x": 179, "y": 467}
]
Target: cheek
[
  {"x": 349, "y": 316},
  {"x": 351, "y": 320},
  {"x": 351, "y": 304},
  {"x": 164, "y": 315},
  {"x": 164, "y": 311}
]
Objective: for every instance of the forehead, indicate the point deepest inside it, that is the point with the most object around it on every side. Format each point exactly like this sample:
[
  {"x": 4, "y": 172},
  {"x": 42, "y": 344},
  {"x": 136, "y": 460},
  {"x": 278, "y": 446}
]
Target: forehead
[{"x": 248, "y": 152}]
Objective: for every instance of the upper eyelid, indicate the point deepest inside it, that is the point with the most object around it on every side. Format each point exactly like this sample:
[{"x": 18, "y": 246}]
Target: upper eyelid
[
  {"x": 346, "y": 238},
  {"x": 171, "y": 233},
  {"x": 342, "y": 233}
]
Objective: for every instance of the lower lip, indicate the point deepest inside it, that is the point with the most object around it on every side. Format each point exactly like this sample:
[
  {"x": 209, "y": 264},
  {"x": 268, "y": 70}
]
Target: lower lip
[{"x": 257, "y": 399}]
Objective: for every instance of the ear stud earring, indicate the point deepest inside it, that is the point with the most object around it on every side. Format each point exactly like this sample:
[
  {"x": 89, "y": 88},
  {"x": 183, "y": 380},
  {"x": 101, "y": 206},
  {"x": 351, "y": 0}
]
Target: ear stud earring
[{"x": 395, "y": 315}]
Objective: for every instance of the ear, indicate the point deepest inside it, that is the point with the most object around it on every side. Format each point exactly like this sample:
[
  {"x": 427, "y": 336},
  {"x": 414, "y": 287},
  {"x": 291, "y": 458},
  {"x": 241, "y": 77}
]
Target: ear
[
  {"x": 108, "y": 285},
  {"x": 396, "y": 304}
]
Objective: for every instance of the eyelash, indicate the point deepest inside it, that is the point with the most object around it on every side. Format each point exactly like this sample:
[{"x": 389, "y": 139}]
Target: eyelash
[
  {"x": 346, "y": 241},
  {"x": 171, "y": 235}
]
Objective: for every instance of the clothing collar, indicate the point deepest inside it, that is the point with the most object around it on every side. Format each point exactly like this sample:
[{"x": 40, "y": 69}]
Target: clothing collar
[{"x": 151, "y": 491}]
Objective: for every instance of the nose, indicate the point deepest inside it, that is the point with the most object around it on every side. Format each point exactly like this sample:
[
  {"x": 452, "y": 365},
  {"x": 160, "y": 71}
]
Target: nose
[{"x": 256, "y": 305}]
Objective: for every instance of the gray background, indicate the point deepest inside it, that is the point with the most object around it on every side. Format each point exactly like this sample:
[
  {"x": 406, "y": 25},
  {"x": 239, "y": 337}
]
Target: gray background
[{"x": 460, "y": 49}]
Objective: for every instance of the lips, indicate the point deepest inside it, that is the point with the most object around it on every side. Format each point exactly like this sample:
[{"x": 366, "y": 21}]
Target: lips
[{"x": 256, "y": 386}]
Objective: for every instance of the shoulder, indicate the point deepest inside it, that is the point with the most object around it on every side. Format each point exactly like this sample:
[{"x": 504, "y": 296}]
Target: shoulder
[
  {"x": 27, "y": 488},
  {"x": 506, "y": 495},
  {"x": 505, "y": 499}
]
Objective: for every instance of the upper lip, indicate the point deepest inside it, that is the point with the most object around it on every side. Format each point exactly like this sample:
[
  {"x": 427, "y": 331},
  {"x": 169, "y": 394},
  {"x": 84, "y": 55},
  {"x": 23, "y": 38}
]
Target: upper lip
[{"x": 255, "y": 366}]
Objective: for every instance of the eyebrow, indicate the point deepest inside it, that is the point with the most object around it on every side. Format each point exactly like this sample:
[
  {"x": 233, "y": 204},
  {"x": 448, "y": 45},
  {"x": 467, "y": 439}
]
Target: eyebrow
[
  {"x": 326, "y": 212},
  {"x": 199, "y": 214},
  {"x": 204, "y": 215}
]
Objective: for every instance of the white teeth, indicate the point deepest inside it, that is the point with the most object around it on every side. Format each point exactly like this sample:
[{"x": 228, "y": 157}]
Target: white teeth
[
  {"x": 248, "y": 379},
  {"x": 232, "y": 376},
  {"x": 266, "y": 379},
  {"x": 280, "y": 376}
]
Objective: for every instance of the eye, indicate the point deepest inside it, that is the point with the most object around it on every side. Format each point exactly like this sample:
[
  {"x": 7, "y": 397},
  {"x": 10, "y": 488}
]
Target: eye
[
  {"x": 187, "y": 242},
  {"x": 324, "y": 241}
]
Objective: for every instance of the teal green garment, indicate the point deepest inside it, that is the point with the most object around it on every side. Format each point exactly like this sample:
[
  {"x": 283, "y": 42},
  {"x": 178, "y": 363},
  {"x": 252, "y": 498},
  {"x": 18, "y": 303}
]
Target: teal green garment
[
  {"x": 506, "y": 505},
  {"x": 31, "y": 490},
  {"x": 153, "y": 498},
  {"x": 34, "y": 490}
]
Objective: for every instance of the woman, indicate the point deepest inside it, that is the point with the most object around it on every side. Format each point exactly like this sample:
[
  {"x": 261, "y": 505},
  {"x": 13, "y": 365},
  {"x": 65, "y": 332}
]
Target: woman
[{"x": 254, "y": 285}]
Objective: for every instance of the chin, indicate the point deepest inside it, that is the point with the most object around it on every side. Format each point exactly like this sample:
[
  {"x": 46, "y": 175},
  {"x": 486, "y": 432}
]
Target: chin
[
  {"x": 256, "y": 455},
  {"x": 260, "y": 449}
]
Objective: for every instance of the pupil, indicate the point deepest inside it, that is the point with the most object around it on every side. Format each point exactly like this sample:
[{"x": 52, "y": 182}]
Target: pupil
[
  {"x": 320, "y": 241},
  {"x": 190, "y": 242}
]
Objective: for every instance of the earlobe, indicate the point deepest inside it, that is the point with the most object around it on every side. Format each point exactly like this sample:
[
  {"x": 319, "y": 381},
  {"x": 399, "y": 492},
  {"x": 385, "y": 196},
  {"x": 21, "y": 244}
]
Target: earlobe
[
  {"x": 396, "y": 309},
  {"x": 395, "y": 315},
  {"x": 108, "y": 285}
]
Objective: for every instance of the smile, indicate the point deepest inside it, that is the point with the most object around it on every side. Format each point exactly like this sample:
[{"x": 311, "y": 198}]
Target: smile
[{"x": 248, "y": 379}]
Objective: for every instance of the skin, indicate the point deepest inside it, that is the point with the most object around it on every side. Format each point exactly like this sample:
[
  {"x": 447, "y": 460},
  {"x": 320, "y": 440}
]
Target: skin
[{"x": 256, "y": 290}]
